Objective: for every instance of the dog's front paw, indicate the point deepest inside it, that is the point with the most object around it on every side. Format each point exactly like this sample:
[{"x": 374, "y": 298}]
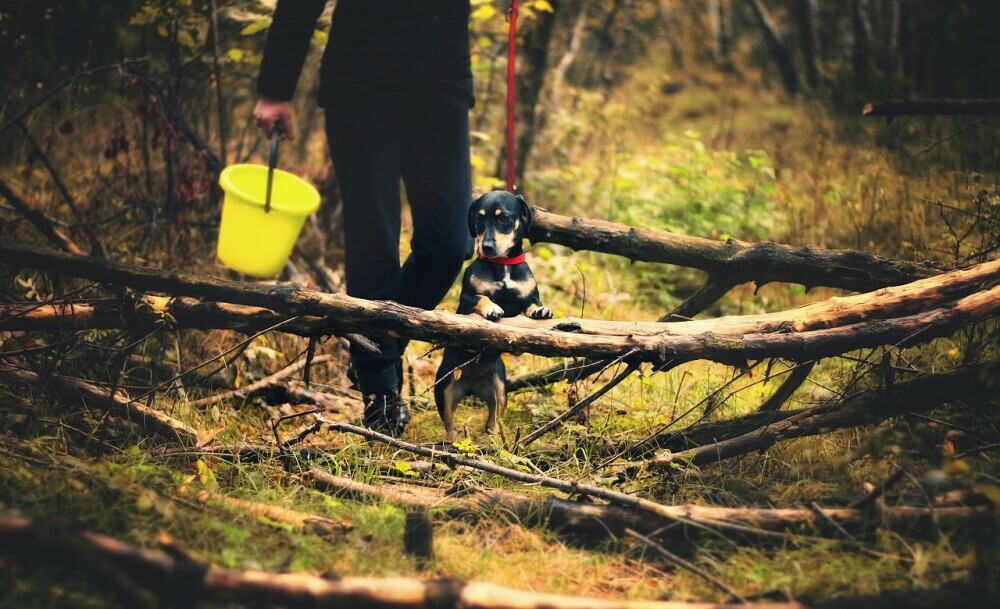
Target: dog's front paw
[
  {"x": 493, "y": 312},
  {"x": 540, "y": 313}
]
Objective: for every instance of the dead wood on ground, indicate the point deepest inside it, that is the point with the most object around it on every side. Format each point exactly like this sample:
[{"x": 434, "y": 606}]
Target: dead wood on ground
[
  {"x": 870, "y": 407},
  {"x": 176, "y": 578},
  {"x": 891, "y": 315},
  {"x": 601, "y": 520},
  {"x": 738, "y": 261},
  {"x": 79, "y": 391}
]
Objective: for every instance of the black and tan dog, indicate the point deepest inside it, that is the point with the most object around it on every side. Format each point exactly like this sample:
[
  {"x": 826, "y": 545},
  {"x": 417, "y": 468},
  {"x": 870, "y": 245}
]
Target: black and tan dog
[{"x": 497, "y": 284}]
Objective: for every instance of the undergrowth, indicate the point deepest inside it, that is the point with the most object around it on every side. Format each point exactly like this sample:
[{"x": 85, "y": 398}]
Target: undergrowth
[{"x": 721, "y": 163}]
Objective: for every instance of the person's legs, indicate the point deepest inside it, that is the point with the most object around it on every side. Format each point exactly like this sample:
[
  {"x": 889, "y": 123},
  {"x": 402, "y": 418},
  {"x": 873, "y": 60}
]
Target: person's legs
[
  {"x": 364, "y": 136},
  {"x": 437, "y": 173}
]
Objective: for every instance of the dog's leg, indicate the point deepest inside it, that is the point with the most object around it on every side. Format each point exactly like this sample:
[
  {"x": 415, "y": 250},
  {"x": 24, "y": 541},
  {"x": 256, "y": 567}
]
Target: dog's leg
[
  {"x": 446, "y": 398},
  {"x": 487, "y": 308},
  {"x": 496, "y": 398}
]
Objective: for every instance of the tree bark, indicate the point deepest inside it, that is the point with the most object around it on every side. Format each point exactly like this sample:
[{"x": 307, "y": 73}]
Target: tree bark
[
  {"x": 572, "y": 50},
  {"x": 782, "y": 58},
  {"x": 809, "y": 20},
  {"x": 739, "y": 261},
  {"x": 532, "y": 79},
  {"x": 177, "y": 579},
  {"x": 900, "y": 314},
  {"x": 672, "y": 32},
  {"x": 720, "y": 42}
]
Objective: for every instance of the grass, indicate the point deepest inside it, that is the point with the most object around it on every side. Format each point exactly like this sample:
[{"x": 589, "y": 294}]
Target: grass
[{"x": 710, "y": 161}]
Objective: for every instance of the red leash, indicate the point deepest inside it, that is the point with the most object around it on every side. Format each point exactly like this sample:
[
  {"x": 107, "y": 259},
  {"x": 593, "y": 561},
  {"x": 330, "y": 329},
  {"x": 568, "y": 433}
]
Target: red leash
[{"x": 511, "y": 61}]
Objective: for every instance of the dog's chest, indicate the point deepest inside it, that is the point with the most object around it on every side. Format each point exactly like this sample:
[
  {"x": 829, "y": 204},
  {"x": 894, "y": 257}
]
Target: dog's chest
[{"x": 502, "y": 283}]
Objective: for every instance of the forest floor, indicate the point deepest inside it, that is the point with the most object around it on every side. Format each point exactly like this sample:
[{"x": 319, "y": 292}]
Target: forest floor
[{"x": 711, "y": 161}]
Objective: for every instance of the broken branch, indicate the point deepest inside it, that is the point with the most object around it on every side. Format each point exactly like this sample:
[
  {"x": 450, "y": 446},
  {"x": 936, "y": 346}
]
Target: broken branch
[{"x": 866, "y": 408}]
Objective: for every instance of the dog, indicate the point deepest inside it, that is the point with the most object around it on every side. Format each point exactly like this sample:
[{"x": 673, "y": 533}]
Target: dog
[{"x": 498, "y": 283}]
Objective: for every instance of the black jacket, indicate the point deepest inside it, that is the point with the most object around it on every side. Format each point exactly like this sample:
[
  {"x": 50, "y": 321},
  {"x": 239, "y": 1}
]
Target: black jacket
[{"x": 373, "y": 45}]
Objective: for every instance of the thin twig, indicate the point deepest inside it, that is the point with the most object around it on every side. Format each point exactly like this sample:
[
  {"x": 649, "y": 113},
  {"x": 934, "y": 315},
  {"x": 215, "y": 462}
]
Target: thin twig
[
  {"x": 680, "y": 562},
  {"x": 590, "y": 399},
  {"x": 263, "y": 383}
]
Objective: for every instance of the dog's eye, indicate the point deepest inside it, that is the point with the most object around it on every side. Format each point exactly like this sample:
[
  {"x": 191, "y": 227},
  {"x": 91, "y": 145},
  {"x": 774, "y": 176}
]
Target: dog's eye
[{"x": 504, "y": 219}]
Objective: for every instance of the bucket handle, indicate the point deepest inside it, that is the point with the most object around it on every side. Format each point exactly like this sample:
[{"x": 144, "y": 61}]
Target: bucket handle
[{"x": 272, "y": 162}]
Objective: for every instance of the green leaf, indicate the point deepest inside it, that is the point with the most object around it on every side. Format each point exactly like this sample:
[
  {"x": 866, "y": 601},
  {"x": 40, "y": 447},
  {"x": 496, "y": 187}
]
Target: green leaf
[
  {"x": 483, "y": 13},
  {"x": 255, "y": 26}
]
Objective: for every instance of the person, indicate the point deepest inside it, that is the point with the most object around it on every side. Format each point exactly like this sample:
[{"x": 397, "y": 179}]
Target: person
[{"x": 396, "y": 88}]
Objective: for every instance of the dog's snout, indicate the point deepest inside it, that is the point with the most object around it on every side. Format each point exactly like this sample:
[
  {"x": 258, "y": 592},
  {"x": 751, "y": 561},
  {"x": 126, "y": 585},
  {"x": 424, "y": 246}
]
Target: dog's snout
[{"x": 489, "y": 249}]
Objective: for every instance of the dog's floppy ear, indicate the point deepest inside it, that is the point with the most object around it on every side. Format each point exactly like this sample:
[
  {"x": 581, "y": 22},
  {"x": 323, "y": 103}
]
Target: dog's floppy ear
[
  {"x": 473, "y": 210},
  {"x": 525, "y": 213}
]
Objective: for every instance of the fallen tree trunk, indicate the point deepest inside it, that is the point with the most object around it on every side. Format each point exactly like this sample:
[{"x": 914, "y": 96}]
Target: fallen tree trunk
[
  {"x": 738, "y": 261},
  {"x": 180, "y": 312},
  {"x": 79, "y": 391},
  {"x": 178, "y": 578},
  {"x": 795, "y": 334},
  {"x": 600, "y": 520},
  {"x": 867, "y": 408},
  {"x": 175, "y": 578}
]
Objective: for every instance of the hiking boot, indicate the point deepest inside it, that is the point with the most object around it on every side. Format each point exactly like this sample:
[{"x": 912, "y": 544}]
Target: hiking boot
[{"x": 386, "y": 413}]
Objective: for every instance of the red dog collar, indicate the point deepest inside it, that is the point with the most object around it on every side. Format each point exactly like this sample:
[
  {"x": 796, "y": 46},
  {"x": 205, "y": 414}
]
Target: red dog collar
[{"x": 507, "y": 261}]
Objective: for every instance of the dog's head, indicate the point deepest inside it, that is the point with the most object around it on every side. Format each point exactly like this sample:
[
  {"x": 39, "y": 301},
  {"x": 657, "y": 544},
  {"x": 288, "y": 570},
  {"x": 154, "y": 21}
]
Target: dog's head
[{"x": 499, "y": 222}]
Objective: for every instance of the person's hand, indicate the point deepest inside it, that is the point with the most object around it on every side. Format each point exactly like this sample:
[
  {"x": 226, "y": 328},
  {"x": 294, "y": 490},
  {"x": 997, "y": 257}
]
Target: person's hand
[{"x": 268, "y": 113}]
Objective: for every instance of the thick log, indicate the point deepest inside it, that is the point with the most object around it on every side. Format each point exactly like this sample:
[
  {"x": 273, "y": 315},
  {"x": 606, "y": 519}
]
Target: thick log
[
  {"x": 601, "y": 520},
  {"x": 891, "y": 108},
  {"x": 795, "y": 334},
  {"x": 180, "y": 313},
  {"x": 177, "y": 579},
  {"x": 79, "y": 391},
  {"x": 866, "y": 408},
  {"x": 740, "y": 261}
]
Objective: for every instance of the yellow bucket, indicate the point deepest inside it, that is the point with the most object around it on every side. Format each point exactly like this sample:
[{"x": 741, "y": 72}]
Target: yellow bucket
[{"x": 254, "y": 241}]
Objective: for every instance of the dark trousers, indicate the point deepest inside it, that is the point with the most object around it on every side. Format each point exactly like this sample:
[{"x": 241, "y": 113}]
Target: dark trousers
[{"x": 375, "y": 139}]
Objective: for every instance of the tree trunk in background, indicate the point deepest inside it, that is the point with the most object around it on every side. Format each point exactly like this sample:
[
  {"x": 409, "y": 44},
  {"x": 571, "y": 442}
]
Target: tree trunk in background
[
  {"x": 783, "y": 59},
  {"x": 895, "y": 22},
  {"x": 572, "y": 50},
  {"x": 672, "y": 33},
  {"x": 863, "y": 34},
  {"x": 536, "y": 52},
  {"x": 605, "y": 43},
  {"x": 720, "y": 40},
  {"x": 809, "y": 26}
]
